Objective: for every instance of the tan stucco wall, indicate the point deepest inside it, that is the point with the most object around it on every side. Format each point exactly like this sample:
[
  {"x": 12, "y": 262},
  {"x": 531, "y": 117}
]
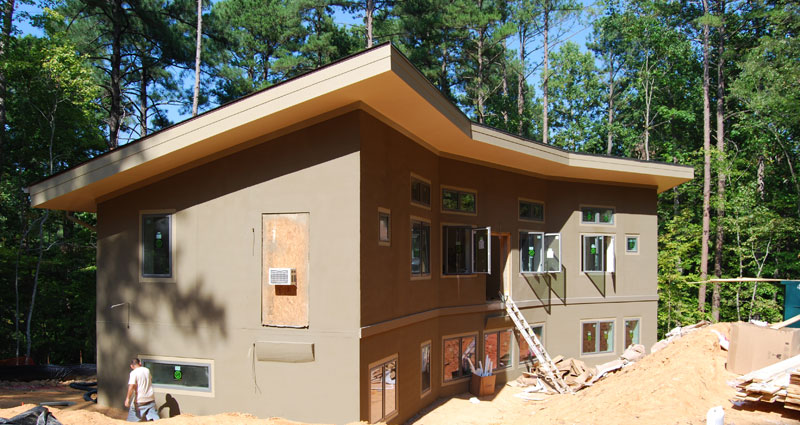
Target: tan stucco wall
[
  {"x": 212, "y": 310},
  {"x": 398, "y": 312}
]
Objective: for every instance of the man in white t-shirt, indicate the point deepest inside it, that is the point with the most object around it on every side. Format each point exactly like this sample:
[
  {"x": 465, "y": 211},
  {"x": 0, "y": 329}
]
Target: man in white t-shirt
[{"x": 143, "y": 407}]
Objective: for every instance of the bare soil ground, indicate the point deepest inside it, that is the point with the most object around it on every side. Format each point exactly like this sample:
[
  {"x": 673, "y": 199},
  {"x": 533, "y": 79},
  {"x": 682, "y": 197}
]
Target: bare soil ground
[{"x": 676, "y": 385}]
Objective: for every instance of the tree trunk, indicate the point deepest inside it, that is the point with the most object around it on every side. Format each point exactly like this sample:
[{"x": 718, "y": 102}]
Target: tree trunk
[
  {"x": 5, "y": 38},
  {"x": 115, "y": 110},
  {"x": 505, "y": 87},
  {"x": 143, "y": 97},
  {"x": 701, "y": 297},
  {"x": 369, "y": 11},
  {"x": 610, "y": 137},
  {"x": 35, "y": 285},
  {"x": 521, "y": 84},
  {"x": 479, "y": 80},
  {"x": 545, "y": 73},
  {"x": 715, "y": 296},
  {"x": 198, "y": 48},
  {"x": 760, "y": 178}
]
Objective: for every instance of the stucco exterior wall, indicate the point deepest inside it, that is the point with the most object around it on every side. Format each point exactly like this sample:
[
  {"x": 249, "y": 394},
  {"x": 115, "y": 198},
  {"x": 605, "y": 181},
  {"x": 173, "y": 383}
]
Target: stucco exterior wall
[
  {"x": 212, "y": 308},
  {"x": 399, "y": 312}
]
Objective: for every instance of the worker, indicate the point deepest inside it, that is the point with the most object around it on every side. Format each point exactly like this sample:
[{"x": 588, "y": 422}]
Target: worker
[{"x": 143, "y": 407}]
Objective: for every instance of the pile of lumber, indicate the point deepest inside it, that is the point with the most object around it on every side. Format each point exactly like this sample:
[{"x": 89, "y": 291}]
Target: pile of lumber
[{"x": 779, "y": 382}]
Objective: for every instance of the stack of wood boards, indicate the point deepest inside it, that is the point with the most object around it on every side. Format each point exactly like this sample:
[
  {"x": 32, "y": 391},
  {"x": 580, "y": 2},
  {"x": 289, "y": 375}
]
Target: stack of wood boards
[
  {"x": 577, "y": 375},
  {"x": 779, "y": 382}
]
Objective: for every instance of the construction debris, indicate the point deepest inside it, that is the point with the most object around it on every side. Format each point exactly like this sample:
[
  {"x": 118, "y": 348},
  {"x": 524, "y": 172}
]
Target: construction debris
[
  {"x": 676, "y": 333},
  {"x": 779, "y": 382}
]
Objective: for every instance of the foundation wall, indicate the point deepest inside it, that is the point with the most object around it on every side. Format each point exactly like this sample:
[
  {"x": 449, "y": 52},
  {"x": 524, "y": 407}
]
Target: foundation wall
[
  {"x": 211, "y": 310},
  {"x": 400, "y": 311}
]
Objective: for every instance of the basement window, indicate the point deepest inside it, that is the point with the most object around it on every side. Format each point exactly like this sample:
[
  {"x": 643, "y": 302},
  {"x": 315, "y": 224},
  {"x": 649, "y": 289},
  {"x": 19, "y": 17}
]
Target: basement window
[
  {"x": 539, "y": 252},
  {"x": 156, "y": 245},
  {"x": 466, "y": 250},
  {"x": 420, "y": 192},
  {"x": 525, "y": 355},
  {"x": 425, "y": 367},
  {"x": 597, "y": 215},
  {"x": 597, "y": 252},
  {"x": 597, "y": 337},
  {"x": 420, "y": 248},
  {"x": 459, "y": 201},
  {"x": 631, "y": 332},
  {"x": 531, "y": 210},
  {"x": 172, "y": 374},
  {"x": 459, "y": 352},
  {"x": 383, "y": 390},
  {"x": 497, "y": 345}
]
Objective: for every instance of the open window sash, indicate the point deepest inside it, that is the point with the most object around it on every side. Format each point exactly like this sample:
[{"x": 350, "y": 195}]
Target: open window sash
[
  {"x": 552, "y": 254},
  {"x": 610, "y": 256},
  {"x": 482, "y": 250}
]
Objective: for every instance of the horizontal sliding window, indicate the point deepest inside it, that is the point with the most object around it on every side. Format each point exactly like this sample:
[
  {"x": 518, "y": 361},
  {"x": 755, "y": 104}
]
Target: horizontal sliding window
[
  {"x": 597, "y": 215},
  {"x": 458, "y": 201},
  {"x": 179, "y": 375},
  {"x": 530, "y": 210}
]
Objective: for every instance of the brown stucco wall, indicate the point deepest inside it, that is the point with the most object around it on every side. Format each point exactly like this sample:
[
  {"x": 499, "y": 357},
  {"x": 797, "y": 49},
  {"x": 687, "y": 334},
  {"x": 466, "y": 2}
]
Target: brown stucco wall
[
  {"x": 212, "y": 309},
  {"x": 398, "y": 312}
]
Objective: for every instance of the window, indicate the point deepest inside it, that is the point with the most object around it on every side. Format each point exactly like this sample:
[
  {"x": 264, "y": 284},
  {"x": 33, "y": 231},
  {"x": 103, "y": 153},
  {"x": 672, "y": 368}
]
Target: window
[
  {"x": 598, "y": 254},
  {"x": 420, "y": 192},
  {"x": 384, "y": 227},
  {"x": 157, "y": 245},
  {"x": 632, "y": 244},
  {"x": 466, "y": 250},
  {"x": 459, "y": 353},
  {"x": 525, "y": 355},
  {"x": 383, "y": 390},
  {"x": 425, "y": 367},
  {"x": 458, "y": 201},
  {"x": 598, "y": 337},
  {"x": 539, "y": 252},
  {"x": 532, "y": 211},
  {"x": 420, "y": 248},
  {"x": 598, "y": 215},
  {"x": 497, "y": 346},
  {"x": 174, "y": 374},
  {"x": 631, "y": 332}
]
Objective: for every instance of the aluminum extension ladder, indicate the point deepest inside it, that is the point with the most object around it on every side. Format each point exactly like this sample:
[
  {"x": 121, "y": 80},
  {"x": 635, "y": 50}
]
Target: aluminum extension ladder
[{"x": 545, "y": 362}]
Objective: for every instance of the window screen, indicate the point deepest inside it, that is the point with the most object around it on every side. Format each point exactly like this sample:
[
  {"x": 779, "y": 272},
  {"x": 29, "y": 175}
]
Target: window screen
[{"x": 156, "y": 245}]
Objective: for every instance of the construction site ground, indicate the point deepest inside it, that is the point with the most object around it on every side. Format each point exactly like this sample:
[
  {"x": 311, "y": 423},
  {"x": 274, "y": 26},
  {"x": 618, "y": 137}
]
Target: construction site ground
[{"x": 676, "y": 385}]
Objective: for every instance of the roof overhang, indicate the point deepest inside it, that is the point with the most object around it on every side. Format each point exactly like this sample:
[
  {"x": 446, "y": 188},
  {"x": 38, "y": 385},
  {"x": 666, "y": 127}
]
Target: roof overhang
[{"x": 381, "y": 81}]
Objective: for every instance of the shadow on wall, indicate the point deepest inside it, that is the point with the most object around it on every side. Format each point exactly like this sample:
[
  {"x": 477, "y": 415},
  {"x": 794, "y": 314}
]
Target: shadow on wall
[
  {"x": 544, "y": 284},
  {"x": 172, "y": 405},
  {"x": 599, "y": 281}
]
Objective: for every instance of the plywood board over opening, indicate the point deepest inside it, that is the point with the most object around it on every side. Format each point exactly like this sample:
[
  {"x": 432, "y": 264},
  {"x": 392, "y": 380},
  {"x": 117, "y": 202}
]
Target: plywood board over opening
[{"x": 285, "y": 244}]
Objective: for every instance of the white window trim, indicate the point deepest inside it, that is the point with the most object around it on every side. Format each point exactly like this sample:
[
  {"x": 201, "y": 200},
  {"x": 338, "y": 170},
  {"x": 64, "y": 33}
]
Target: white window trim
[
  {"x": 613, "y": 215},
  {"x": 607, "y": 249},
  {"x": 174, "y": 389},
  {"x": 638, "y": 247},
  {"x": 388, "y": 212},
  {"x": 532, "y": 201},
  {"x": 544, "y": 239},
  {"x": 172, "y": 250},
  {"x": 396, "y": 387},
  {"x": 613, "y": 350},
  {"x": 473, "y": 192}
]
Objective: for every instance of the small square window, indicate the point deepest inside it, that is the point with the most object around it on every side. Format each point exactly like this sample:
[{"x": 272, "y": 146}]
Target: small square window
[
  {"x": 632, "y": 244},
  {"x": 156, "y": 245},
  {"x": 525, "y": 354},
  {"x": 631, "y": 332},
  {"x": 458, "y": 201},
  {"x": 384, "y": 227},
  {"x": 420, "y": 192},
  {"x": 597, "y": 215},
  {"x": 597, "y": 337},
  {"x": 531, "y": 211}
]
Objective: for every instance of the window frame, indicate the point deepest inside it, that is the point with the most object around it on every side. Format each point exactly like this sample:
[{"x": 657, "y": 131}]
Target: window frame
[
  {"x": 599, "y": 209},
  {"x": 460, "y": 337},
  {"x": 181, "y": 361},
  {"x": 542, "y": 249},
  {"x": 597, "y": 322},
  {"x": 520, "y": 201},
  {"x": 419, "y": 275},
  {"x": 420, "y": 203},
  {"x": 385, "y": 212},
  {"x": 497, "y": 332},
  {"x": 518, "y": 335},
  {"x": 161, "y": 278},
  {"x": 381, "y": 363},
  {"x": 608, "y": 253},
  {"x": 422, "y": 391},
  {"x": 469, "y": 249},
  {"x": 459, "y": 191},
  {"x": 632, "y": 252},
  {"x": 625, "y": 330}
]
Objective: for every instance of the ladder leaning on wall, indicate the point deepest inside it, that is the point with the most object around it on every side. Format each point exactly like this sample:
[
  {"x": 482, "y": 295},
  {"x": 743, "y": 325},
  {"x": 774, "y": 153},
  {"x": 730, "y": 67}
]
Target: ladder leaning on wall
[{"x": 546, "y": 364}]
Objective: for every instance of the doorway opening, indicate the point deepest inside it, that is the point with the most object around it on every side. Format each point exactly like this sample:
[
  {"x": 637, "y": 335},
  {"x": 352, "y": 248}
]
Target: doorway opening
[{"x": 499, "y": 281}]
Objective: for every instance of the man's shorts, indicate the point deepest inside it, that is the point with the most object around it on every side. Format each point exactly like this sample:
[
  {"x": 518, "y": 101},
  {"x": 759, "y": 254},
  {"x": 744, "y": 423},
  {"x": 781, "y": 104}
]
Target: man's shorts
[{"x": 143, "y": 412}]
